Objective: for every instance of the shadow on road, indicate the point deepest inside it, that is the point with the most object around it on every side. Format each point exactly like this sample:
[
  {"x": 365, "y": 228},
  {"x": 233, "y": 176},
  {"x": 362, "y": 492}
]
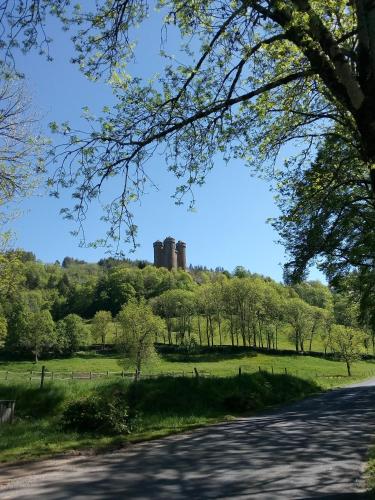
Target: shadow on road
[
  {"x": 348, "y": 496},
  {"x": 312, "y": 449}
]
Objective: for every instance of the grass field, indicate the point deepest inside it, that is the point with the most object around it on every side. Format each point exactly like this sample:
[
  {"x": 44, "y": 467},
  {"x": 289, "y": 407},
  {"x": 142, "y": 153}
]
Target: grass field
[
  {"x": 283, "y": 342},
  {"x": 325, "y": 372},
  {"x": 168, "y": 404}
]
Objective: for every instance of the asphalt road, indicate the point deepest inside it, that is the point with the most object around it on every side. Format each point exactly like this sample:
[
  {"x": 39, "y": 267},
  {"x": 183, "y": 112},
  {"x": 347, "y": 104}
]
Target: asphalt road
[{"x": 312, "y": 449}]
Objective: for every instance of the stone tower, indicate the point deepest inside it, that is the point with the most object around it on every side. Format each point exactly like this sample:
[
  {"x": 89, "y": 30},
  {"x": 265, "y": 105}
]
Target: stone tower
[
  {"x": 170, "y": 255},
  {"x": 158, "y": 254},
  {"x": 181, "y": 254}
]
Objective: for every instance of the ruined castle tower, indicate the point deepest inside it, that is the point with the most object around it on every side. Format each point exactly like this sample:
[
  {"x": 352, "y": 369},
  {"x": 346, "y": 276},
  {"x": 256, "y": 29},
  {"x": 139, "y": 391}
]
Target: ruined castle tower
[
  {"x": 158, "y": 254},
  {"x": 181, "y": 254},
  {"x": 170, "y": 255}
]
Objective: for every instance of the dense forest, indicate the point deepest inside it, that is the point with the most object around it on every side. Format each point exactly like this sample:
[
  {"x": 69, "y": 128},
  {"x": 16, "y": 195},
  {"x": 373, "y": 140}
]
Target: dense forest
[{"x": 56, "y": 309}]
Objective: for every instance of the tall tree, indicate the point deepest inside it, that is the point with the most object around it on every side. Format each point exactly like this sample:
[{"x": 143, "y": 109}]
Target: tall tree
[
  {"x": 139, "y": 327},
  {"x": 327, "y": 213},
  {"x": 256, "y": 75},
  {"x": 300, "y": 316},
  {"x": 38, "y": 333},
  {"x": 21, "y": 149},
  {"x": 177, "y": 307},
  {"x": 71, "y": 334},
  {"x": 348, "y": 343},
  {"x": 100, "y": 325}
]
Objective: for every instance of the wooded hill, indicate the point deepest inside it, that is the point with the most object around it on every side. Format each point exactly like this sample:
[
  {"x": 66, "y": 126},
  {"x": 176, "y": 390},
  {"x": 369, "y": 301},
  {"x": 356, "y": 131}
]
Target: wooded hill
[{"x": 54, "y": 309}]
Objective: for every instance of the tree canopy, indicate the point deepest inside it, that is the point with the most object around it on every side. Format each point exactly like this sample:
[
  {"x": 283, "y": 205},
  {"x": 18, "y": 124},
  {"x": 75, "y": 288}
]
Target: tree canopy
[
  {"x": 52, "y": 310},
  {"x": 139, "y": 328},
  {"x": 327, "y": 213},
  {"x": 250, "y": 77}
]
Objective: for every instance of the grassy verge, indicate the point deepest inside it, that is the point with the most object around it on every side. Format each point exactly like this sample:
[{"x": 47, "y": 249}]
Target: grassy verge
[
  {"x": 370, "y": 472},
  {"x": 167, "y": 405},
  {"x": 326, "y": 373}
]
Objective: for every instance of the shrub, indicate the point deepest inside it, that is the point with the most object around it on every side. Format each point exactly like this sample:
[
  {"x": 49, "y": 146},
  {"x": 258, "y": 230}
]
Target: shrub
[
  {"x": 99, "y": 414},
  {"x": 240, "y": 403}
]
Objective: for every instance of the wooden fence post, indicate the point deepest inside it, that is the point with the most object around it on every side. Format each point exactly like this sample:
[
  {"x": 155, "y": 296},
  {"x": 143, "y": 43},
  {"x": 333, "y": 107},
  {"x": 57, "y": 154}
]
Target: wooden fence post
[
  {"x": 239, "y": 371},
  {"x": 42, "y": 376},
  {"x": 196, "y": 372}
]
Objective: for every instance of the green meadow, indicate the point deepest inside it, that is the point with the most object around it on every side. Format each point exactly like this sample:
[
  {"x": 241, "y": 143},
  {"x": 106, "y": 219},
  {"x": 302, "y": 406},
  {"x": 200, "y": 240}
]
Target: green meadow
[{"x": 174, "y": 400}]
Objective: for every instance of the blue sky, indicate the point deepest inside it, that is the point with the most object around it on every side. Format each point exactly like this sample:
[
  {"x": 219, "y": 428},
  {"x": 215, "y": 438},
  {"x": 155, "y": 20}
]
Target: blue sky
[{"x": 228, "y": 227}]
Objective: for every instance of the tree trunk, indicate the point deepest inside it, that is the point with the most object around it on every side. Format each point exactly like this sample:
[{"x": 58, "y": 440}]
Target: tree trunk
[
  {"x": 199, "y": 330},
  {"x": 348, "y": 368},
  {"x": 137, "y": 375},
  {"x": 248, "y": 334},
  {"x": 169, "y": 330},
  {"x": 243, "y": 337},
  {"x": 310, "y": 344},
  {"x": 269, "y": 340},
  {"x": 260, "y": 334},
  {"x": 211, "y": 331},
  {"x": 276, "y": 333},
  {"x": 207, "y": 332}
]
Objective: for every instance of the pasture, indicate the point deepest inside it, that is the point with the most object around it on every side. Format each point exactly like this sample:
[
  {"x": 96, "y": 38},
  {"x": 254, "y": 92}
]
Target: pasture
[{"x": 166, "y": 403}]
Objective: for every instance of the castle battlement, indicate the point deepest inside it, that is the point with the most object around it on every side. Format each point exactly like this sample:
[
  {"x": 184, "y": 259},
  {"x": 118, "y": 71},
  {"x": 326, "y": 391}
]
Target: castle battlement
[{"x": 169, "y": 254}]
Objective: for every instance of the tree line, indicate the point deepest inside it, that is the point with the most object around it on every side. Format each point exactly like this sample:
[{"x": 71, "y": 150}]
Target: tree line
[
  {"x": 260, "y": 75},
  {"x": 53, "y": 309}
]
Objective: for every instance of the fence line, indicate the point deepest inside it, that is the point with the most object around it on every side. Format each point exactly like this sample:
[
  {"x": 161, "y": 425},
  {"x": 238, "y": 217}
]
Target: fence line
[
  {"x": 33, "y": 375},
  {"x": 79, "y": 375},
  {"x": 301, "y": 372}
]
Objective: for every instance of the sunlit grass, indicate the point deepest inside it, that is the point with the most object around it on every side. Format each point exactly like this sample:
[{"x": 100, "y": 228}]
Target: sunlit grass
[
  {"x": 326, "y": 372},
  {"x": 165, "y": 405},
  {"x": 37, "y": 432}
]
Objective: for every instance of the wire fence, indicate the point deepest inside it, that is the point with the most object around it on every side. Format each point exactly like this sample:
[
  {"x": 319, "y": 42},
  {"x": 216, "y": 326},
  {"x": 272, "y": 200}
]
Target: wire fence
[
  {"x": 33, "y": 375},
  {"x": 45, "y": 375},
  {"x": 311, "y": 374}
]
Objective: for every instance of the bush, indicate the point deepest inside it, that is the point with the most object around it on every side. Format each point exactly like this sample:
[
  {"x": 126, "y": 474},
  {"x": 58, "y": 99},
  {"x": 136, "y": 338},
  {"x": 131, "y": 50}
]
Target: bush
[
  {"x": 98, "y": 414},
  {"x": 209, "y": 396},
  {"x": 240, "y": 403}
]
